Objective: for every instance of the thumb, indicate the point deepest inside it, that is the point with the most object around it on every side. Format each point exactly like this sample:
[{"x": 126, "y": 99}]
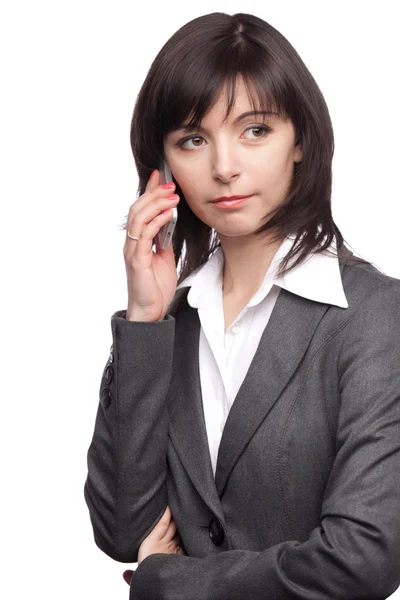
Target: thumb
[
  {"x": 160, "y": 529},
  {"x": 127, "y": 575}
]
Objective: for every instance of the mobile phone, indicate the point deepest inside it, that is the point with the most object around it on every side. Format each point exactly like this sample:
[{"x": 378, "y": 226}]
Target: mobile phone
[{"x": 166, "y": 231}]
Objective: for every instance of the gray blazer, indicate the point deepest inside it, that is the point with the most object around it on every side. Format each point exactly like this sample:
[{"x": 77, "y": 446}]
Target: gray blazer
[{"x": 306, "y": 499}]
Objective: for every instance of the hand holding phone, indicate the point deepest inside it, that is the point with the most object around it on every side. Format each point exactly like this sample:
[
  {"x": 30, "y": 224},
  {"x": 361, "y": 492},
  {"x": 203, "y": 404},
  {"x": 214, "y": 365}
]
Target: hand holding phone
[{"x": 151, "y": 276}]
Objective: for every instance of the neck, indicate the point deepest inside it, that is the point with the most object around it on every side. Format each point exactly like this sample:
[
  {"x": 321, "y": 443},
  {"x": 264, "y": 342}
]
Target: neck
[{"x": 247, "y": 259}]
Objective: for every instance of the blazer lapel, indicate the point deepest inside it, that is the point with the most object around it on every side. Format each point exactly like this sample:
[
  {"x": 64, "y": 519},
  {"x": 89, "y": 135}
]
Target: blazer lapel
[
  {"x": 185, "y": 406},
  {"x": 282, "y": 346}
]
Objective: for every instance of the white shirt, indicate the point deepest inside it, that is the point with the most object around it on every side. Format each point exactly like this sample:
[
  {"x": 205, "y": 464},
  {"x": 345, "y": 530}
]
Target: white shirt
[{"x": 224, "y": 358}]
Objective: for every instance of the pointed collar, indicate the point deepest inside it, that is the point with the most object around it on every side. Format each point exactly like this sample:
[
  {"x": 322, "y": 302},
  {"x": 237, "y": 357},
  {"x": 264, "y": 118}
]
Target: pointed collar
[{"x": 317, "y": 278}]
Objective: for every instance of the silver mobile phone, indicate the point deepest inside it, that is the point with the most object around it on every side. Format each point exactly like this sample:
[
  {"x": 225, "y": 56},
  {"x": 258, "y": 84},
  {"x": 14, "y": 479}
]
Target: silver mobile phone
[{"x": 166, "y": 231}]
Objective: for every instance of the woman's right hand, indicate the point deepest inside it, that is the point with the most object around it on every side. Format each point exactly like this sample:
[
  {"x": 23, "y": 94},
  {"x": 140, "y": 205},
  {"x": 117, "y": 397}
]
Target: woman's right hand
[
  {"x": 152, "y": 276},
  {"x": 163, "y": 539}
]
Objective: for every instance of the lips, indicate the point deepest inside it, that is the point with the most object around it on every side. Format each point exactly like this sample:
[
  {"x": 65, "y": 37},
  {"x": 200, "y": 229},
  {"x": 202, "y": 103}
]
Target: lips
[
  {"x": 229, "y": 198},
  {"x": 235, "y": 203}
]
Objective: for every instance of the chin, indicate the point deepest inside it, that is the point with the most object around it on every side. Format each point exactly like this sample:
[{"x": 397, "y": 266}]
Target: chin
[{"x": 234, "y": 231}]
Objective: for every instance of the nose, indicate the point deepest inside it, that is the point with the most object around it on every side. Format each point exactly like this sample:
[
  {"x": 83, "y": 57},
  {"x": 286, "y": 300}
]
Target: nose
[
  {"x": 226, "y": 176},
  {"x": 224, "y": 165}
]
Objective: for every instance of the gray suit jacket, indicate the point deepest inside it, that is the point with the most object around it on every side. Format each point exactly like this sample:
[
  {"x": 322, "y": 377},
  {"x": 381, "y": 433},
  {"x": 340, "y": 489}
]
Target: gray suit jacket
[{"x": 306, "y": 499}]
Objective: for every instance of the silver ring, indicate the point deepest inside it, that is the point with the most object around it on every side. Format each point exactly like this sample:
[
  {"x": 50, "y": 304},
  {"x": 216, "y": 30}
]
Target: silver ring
[{"x": 132, "y": 236}]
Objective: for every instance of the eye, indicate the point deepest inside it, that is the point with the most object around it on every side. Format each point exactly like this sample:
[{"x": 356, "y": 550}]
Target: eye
[{"x": 263, "y": 128}]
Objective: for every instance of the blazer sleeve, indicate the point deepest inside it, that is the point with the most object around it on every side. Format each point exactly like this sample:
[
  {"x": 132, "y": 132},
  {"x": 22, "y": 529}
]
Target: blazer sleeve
[
  {"x": 354, "y": 553},
  {"x": 125, "y": 488}
]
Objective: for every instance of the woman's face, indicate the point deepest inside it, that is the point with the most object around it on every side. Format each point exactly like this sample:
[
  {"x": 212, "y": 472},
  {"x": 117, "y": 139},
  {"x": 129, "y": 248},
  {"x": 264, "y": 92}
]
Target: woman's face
[{"x": 234, "y": 159}]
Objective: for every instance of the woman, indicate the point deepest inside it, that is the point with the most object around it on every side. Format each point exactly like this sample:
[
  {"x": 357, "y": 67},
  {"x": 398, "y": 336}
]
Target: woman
[{"x": 247, "y": 439}]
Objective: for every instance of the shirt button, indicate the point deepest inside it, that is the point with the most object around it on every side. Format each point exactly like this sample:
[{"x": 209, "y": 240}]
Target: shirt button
[{"x": 236, "y": 329}]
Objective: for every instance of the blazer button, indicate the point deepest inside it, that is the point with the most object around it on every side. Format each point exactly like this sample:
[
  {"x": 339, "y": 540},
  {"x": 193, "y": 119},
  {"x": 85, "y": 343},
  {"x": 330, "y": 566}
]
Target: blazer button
[
  {"x": 105, "y": 397},
  {"x": 216, "y": 532},
  {"x": 109, "y": 374}
]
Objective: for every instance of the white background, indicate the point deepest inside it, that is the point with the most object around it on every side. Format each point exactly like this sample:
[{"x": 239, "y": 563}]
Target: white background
[{"x": 70, "y": 73}]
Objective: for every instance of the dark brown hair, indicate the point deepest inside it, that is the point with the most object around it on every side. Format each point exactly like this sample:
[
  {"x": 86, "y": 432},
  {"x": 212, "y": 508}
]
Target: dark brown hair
[{"x": 186, "y": 78}]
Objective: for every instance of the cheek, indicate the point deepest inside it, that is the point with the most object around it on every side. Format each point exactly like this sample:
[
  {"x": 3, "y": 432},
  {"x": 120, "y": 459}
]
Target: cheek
[
  {"x": 196, "y": 207},
  {"x": 189, "y": 185},
  {"x": 202, "y": 214},
  {"x": 193, "y": 191},
  {"x": 275, "y": 169},
  {"x": 199, "y": 207}
]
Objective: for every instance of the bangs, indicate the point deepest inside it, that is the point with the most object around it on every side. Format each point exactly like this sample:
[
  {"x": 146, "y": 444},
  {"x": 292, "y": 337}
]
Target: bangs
[{"x": 199, "y": 94}]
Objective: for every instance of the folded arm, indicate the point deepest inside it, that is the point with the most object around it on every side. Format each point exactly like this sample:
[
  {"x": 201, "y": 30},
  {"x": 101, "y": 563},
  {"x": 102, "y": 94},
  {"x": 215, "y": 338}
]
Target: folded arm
[
  {"x": 125, "y": 488},
  {"x": 355, "y": 551}
]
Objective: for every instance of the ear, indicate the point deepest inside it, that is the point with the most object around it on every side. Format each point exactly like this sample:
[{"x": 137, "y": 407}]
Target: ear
[{"x": 298, "y": 153}]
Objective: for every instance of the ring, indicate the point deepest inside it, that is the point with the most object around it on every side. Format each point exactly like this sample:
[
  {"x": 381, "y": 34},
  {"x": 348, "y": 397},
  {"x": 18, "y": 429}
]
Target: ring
[{"x": 132, "y": 236}]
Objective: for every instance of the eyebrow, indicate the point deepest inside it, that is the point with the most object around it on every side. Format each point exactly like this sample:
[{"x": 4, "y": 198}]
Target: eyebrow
[{"x": 185, "y": 127}]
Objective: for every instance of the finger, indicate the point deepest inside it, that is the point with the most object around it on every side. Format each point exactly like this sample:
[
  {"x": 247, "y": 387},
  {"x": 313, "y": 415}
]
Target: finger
[
  {"x": 160, "y": 529},
  {"x": 152, "y": 183},
  {"x": 170, "y": 531},
  {"x": 148, "y": 233},
  {"x": 146, "y": 217},
  {"x": 167, "y": 515},
  {"x": 154, "y": 180},
  {"x": 127, "y": 575}
]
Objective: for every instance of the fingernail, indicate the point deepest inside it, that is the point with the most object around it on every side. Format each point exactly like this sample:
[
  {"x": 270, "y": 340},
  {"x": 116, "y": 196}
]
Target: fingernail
[
  {"x": 168, "y": 186},
  {"x": 153, "y": 173}
]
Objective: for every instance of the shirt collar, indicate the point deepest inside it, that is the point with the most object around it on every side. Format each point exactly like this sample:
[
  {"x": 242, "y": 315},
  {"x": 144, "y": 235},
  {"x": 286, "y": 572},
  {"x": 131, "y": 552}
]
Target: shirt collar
[{"x": 317, "y": 278}]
